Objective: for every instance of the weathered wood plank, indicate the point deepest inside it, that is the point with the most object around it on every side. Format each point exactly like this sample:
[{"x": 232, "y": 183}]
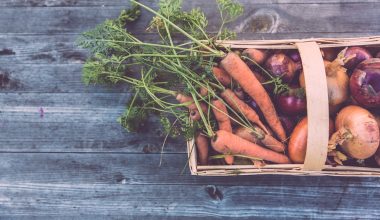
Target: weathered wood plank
[
  {"x": 127, "y": 183},
  {"x": 266, "y": 18},
  {"x": 61, "y": 48},
  {"x": 82, "y": 137},
  {"x": 104, "y": 3},
  {"x": 67, "y": 100},
  {"x": 40, "y": 49},
  {"x": 178, "y": 201},
  {"x": 82, "y": 122},
  {"x": 50, "y": 78},
  {"x": 142, "y": 169}
]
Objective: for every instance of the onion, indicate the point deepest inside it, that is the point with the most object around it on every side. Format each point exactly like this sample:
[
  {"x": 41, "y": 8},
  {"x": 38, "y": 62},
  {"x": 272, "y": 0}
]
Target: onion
[
  {"x": 352, "y": 56},
  {"x": 280, "y": 65},
  {"x": 337, "y": 84},
  {"x": 357, "y": 132},
  {"x": 329, "y": 53},
  {"x": 378, "y": 55},
  {"x": 295, "y": 56},
  {"x": 292, "y": 102},
  {"x": 288, "y": 123},
  {"x": 298, "y": 140},
  {"x": 365, "y": 83}
]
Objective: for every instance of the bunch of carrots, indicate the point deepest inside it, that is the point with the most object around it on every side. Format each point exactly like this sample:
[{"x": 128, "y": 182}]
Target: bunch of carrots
[{"x": 240, "y": 105}]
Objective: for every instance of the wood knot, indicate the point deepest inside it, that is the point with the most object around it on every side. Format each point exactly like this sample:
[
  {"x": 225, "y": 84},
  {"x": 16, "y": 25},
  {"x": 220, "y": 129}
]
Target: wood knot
[
  {"x": 214, "y": 192},
  {"x": 6, "y": 51},
  {"x": 7, "y": 83},
  {"x": 260, "y": 21}
]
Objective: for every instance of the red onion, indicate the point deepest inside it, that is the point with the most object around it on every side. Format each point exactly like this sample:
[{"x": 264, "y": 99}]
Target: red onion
[
  {"x": 329, "y": 53},
  {"x": 294, "y": 55},
  {"x": 352, "y": 56},
  {"x": 288, "y": 123},
  {"x": 280, "y": 65},
  {"x": 292, "y": 102},
  {"x": 378, "y": 55},
  {"x": 365, "y": 83}
]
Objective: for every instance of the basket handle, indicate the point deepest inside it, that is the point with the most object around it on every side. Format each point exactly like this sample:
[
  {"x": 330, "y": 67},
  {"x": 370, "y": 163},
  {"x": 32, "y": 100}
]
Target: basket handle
[{"x": 317, "y": 105}]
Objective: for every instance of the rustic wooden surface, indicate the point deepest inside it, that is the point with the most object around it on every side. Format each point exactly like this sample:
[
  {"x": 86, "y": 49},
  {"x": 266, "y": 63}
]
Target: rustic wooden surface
[{"x": 64, "y": 156}]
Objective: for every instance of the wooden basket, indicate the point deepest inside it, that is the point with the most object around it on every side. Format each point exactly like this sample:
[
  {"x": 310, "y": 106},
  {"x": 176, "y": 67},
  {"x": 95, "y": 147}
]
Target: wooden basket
[{"x": 317, "y": 111}]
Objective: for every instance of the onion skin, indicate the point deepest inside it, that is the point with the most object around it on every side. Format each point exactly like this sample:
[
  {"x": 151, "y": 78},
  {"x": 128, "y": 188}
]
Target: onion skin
[
  {"x": 288, "y": 123},
  {"x": 280, "y": 65},
  {"x": 357, "y": 132},
  {"x": 355, "y": 55},
  {"x": 298, "y": 141},
  {"x": 291, "y": 104},
  {"x": 365, "y": 83},
  {"x": 337, "y": 84},
  {"x": 295, "y": 56},
  {"x": 329, "y": 53}
]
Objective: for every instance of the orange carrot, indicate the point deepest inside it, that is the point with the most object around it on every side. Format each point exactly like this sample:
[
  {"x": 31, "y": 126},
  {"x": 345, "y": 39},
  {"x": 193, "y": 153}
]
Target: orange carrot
[
  {"x": 194, "y": 113},
  {"x": 203, "y": 91},
  {"x": 224, "y": 123},
  {"x": 241, "y": 73},
  {"x": 201, "y": 142},
  {"x": 221, "y": 76},
  {"x": 238, "y": 105},
  {"x": 226, "y": 142},
  {"x": 221, "y": 115},
  {"x": 259, "y": 56},
  {"x": 260, "y": 138}
]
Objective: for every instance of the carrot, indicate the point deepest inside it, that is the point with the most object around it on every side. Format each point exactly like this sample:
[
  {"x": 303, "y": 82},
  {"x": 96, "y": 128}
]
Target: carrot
[
  {"x": 224, "y": 122},
  {"x": 194, "y": 113},
  {"x": 201, "y": 142},
  {"x": 260, "y": 138},
  {"x": 226, "y": 142},
  {"x": 221, "y": 115},
  {"x": 241, "y": 73},
  {"x": 203, "y": 91},
  {"x": 238, "y": 105},
  {"x": 221, "y": 76},
  {"x": 259, "y": 56}
]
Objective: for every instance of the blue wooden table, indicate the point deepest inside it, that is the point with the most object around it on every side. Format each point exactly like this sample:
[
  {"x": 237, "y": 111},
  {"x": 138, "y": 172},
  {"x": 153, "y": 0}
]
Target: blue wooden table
[{"x": 64, "y": 156}]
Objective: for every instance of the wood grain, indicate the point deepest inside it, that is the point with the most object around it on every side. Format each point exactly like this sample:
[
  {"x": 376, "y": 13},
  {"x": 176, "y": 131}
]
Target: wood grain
[
  {"x": 130, "y": 184},
  {"x": 261, "y": 18},
  {"x": 76, "y": 162},
  {"x": 142, "y": 169},
  {"x": 103, "y": 3},
  {"x": 50, "y": 78}
]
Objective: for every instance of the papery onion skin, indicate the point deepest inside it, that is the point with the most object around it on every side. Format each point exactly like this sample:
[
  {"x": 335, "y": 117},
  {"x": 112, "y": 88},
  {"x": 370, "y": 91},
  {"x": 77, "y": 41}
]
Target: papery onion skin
[
  {"x": 329, "y": 53},
  {"x": 291, "y": 104},
  {"x": 358, "y": 131},
  {"x": 355, "y": 55},
  {"x": 288, "y": 123},
  {"x": 337, "y": 84},
  {"x": 298, "y": 141},
  {"x": 365, "y": 83},
  {"x": 280, "y": 65}
]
